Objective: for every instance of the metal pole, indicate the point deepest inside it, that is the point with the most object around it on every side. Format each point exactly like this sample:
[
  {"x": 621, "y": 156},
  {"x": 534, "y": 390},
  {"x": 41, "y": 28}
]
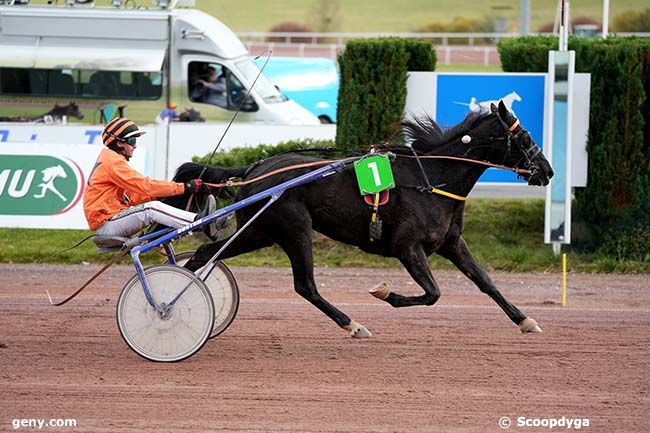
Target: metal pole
[
  {"x": 564, "y": 26},
  {"x": 564, "y": 280},
  {"x": 605, "y": 18},
  {"x": 524, "y": 17}
]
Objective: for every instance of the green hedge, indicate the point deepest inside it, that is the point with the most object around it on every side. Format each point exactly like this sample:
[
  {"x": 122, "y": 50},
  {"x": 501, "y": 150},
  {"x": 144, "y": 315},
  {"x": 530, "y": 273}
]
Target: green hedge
[
  {"x": 240, "y": 156},
  {"x": 614, "y": 205},
  {"x": 422, "y": 56},
  {"x": 373, "y": 87},
  {"x": 527, "y": 53}
]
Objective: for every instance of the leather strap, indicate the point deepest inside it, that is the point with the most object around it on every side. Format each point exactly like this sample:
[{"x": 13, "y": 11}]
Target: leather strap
[
  {"x": 448, "y": 194},
  {"x": 114, "y": 260}
]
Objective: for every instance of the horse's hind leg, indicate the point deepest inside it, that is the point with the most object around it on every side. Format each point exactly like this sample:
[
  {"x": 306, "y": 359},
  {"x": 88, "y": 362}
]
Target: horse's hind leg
[
  {"x": 460, "y": 255},
  {"x": 415, "y": 262},
  {"x": 296, "y": 241}
]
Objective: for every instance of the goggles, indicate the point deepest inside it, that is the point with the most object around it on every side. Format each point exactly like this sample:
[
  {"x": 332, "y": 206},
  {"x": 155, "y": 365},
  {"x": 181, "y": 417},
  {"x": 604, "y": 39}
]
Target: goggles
[{"x": 130, "y": 141}]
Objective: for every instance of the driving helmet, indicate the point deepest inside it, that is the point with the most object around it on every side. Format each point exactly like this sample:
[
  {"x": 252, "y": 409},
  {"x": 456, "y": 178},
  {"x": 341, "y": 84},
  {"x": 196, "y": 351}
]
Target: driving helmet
[{"x": 121, "y": 129}]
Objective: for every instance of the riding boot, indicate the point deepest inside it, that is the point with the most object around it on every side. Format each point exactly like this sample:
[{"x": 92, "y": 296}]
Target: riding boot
[{"x": 210, "y": 207}]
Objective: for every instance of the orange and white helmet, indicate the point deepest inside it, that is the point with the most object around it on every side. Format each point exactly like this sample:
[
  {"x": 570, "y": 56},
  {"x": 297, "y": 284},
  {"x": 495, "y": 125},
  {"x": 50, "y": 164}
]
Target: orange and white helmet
[{"x": 121, "y": 129}]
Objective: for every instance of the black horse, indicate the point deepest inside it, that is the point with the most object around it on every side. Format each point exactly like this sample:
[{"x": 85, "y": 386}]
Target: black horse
[
  {"x": 190, "y": 115},
  {"x": 55, "y": 115},
  {"x": 416, "y": 221}
]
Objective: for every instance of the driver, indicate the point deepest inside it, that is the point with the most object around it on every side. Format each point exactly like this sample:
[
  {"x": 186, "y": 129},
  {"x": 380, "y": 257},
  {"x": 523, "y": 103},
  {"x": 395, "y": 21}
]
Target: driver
[{"x": 119, "y": 201}]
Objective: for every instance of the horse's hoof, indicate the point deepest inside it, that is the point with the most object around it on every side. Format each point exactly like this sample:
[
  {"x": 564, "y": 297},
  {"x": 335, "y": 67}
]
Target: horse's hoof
[
  {"x": 380, "y": 291},
  {"x": 357, "y": 331},
  {"x": 529, "y": 326}
]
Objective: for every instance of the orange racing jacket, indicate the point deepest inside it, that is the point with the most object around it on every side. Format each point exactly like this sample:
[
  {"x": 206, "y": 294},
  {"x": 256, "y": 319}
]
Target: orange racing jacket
[{"x": 114, "y": 186}]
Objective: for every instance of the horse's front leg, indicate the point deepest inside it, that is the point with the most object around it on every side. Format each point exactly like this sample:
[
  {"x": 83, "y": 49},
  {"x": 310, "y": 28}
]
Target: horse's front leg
[
  {"x": 460, "y": 255},
  {"x": 415, "y": 262}
]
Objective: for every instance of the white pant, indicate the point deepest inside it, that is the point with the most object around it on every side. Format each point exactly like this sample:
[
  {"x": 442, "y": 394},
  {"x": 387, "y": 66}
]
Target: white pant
[{"x": 132, "y": 220}]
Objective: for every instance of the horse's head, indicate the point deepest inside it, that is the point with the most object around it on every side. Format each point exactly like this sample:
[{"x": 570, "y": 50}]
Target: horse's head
[
  {"x": 53, "y": 172},
  {"x": 212, "y": 175},
  {"x": 72, "y": 110},
  {"x": 518, "y": 149},
  {"x": 191, "y": 115}
]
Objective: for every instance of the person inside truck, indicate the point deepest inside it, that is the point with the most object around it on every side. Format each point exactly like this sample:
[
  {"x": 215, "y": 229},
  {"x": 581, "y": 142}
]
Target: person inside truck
[
  {"x": 119, "y": 201},
  {"x": 213, "y": 88}
]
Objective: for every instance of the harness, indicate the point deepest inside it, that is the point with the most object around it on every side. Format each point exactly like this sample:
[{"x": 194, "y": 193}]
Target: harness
[
  {"x": 122, "y": 246},
  {"x": 529, "y": 154},
  {"x": 381, "y": 198}
]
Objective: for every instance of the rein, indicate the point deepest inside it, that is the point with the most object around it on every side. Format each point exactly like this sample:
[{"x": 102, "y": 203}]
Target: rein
[
  {"x": 429, "y": 188},
  {"x": 274, "y": 172},
  {"x": 230, "y": 183},
  {"x": 438, "y": 191},
  {"x": 116, "y": 258},
  {"x": 473, "y": 161}
]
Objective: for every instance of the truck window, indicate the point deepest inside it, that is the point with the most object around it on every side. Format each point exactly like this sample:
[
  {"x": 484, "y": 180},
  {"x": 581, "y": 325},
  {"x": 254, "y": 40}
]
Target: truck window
[
  {"x": 81, "y": 83},
  {"x": 267, "y": 91},
  {"x": 214, "y": 84}
]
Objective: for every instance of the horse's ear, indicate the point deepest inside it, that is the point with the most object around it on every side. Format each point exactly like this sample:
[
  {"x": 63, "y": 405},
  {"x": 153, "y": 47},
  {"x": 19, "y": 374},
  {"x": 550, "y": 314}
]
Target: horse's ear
[
  {"x": 503, "y": 111},
  {"x": 493, "y": 108}
]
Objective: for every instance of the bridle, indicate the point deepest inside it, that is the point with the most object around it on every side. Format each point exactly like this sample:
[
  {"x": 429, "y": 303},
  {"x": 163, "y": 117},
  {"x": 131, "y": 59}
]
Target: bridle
[
  {"x": 529, "y": 154},
  {"x": 511, "y": 131}
]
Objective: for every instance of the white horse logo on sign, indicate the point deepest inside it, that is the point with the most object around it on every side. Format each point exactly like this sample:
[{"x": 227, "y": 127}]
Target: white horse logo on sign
[
  {"x": 49, "y": 176},
  {"x": 484, "y": 106}
]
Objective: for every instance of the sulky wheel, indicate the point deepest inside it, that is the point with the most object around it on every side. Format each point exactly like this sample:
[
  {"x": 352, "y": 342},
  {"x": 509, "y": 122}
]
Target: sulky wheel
[
  {"x": 175, "y": 333},
  {"x": 224, "y": 290}
]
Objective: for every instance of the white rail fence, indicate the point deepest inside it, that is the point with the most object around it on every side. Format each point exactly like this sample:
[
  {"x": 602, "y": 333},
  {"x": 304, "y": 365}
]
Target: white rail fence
[{"x": 452, "y": 48}]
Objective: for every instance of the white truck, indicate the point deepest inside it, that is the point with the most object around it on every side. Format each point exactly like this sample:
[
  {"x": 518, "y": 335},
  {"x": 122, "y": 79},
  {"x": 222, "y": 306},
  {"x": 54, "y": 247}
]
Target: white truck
[
  {"x": 91, "y": 60},
  {"x": 139, "y": 59}
]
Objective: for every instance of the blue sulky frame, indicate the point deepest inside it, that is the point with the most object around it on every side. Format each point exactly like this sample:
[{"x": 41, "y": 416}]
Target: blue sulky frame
[{"x": 165, "y": 236}]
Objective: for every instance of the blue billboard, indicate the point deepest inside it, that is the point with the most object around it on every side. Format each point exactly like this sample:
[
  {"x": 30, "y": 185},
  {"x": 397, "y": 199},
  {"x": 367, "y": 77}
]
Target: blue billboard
[{"x": 523, "y": 94}]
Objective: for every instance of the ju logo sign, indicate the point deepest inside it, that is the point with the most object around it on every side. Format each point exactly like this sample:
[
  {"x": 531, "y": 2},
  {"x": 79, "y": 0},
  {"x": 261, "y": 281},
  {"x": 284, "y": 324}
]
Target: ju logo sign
[
  {"x": 374, "y": 174},
  {"x": 38, "y": 185}
]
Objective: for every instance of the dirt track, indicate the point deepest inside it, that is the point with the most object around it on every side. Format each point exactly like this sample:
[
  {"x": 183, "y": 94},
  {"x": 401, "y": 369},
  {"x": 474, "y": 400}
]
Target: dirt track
[{"x": 283, "y": 366}]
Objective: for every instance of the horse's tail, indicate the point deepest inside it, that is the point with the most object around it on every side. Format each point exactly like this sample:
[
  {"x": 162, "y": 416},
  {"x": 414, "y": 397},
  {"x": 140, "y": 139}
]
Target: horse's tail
[{"x": 192, "y": 170}]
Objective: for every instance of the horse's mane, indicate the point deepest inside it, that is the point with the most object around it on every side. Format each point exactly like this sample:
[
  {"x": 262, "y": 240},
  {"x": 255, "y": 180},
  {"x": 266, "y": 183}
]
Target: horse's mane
[{"x": 426, "y": 136}]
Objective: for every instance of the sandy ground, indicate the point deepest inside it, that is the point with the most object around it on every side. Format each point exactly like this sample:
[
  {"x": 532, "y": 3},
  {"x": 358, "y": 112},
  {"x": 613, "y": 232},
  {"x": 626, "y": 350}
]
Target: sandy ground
[{"x": 458, "y": 366}]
